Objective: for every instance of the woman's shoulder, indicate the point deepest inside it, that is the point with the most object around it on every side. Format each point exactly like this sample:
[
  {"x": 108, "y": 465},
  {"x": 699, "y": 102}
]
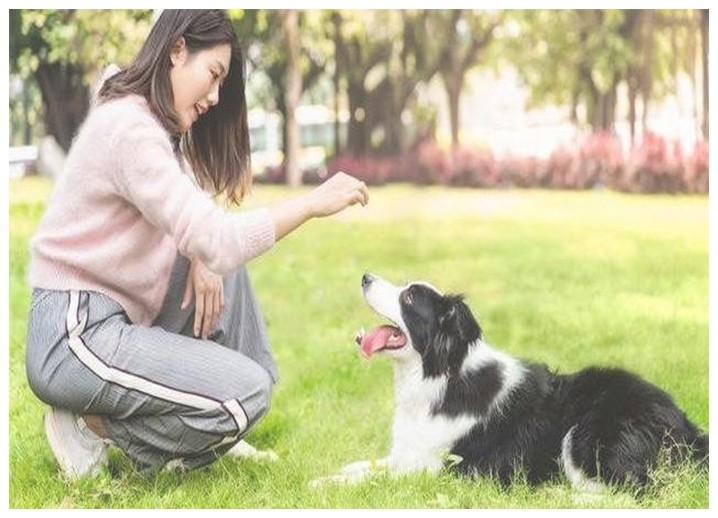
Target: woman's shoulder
[
  {"x": 126, "y": 108},
  {"x": 125, "y": 116}
]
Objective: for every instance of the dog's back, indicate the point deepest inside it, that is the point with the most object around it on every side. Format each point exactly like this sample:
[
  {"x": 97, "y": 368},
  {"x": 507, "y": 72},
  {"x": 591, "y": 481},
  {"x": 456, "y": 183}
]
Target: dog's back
[
  {"x": 620, "y": 423},
  {"x": 605, "y": 424}
]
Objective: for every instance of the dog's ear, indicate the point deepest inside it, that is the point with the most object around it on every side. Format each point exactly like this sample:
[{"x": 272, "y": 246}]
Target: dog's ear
[
  {"x": 457, "y": 320},
  {"x": 457, "y": 330}
]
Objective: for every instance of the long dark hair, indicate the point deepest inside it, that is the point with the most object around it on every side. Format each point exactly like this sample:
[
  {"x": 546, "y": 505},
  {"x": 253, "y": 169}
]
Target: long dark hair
[{"x": 217, "y": 144}]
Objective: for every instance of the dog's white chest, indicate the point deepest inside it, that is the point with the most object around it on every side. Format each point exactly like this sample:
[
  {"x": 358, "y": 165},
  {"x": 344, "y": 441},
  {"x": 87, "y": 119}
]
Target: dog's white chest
[{"x": 421, "y": 439}]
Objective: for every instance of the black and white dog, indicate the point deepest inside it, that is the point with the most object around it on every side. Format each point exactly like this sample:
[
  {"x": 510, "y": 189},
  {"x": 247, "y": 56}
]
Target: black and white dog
[{"x": 464, "y": 405}]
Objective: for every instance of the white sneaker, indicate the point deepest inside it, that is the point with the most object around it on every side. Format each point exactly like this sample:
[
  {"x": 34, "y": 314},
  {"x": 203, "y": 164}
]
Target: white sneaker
[
  {"x": 77, "y": 449},
  {"x": 244, "y": 450}
]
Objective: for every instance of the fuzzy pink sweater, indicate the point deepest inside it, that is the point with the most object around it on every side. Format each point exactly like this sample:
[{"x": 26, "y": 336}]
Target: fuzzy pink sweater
[{"x": 123, "y": 208}]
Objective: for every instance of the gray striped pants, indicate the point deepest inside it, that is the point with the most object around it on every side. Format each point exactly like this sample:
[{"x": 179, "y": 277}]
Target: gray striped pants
[{"x": 161, "y": 393}]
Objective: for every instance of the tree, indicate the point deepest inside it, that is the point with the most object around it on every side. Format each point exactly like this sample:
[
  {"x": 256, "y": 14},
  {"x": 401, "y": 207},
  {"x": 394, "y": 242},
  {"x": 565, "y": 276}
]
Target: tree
[
  {"x": 385, "y": 55},
  {"x": 293, "y": 91},
  {"x": 269, "y": 51},
  {"x": 63, "y": 51},
  {"x": 466, "y": 35},
  {"x": 704, "y": 63},
  {"x": 580, "y": 57}
]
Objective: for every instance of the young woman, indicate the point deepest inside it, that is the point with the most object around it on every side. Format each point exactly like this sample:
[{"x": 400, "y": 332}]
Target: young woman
[{"x": 131, "y": 235}]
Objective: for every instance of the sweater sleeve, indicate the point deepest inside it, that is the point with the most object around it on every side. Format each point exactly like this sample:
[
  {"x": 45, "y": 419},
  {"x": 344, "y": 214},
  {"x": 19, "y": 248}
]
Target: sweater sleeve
[{"x": 149, "y": 176}]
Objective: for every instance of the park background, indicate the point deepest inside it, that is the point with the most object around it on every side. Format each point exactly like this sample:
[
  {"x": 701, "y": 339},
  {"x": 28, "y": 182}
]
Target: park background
[{"x": 552, "y": 165}]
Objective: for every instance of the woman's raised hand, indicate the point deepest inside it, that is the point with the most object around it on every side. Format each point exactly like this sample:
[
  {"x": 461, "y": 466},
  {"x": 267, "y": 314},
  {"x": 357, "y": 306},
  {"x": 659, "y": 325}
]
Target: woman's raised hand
[{"x": 337, "y": 193}]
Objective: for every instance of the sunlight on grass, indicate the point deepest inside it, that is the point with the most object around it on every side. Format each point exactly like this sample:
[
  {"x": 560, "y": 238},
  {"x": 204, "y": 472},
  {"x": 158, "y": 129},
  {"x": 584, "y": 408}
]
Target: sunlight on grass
[{"x": 565, "y": 278}]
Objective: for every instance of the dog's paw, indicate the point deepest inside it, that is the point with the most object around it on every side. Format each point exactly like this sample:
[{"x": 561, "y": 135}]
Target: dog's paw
[
  {"x": 244, "y": 450},
  {"x": 358, "y": 469},
  {"x": 351, "y": 473}
]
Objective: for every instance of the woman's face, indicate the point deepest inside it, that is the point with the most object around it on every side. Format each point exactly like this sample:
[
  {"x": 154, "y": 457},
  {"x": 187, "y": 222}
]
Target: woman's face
[{"x": 196, "y": 79}]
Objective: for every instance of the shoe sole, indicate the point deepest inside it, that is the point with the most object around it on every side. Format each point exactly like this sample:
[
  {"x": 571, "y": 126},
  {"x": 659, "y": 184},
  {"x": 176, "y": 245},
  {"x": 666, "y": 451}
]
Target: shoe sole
[
  {"x": 53, "y": 438},
  {"x": 66, "y": 465}
]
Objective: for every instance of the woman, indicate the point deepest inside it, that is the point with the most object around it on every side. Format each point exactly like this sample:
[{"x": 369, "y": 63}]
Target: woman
[{"x": 130, "y": 237}]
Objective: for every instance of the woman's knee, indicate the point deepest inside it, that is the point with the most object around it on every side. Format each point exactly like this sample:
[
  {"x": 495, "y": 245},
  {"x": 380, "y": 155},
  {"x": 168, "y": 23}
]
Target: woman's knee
[{"x": 257, "y": 404}]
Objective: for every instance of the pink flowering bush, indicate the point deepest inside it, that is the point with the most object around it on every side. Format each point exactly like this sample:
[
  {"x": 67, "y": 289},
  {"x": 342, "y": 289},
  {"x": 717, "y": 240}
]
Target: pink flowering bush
[
  {"x": 371, "y": 170},
  {"x": 601, "y": 160},
  {"x": 655, "y": 165},
  {"x": 473, "y": 167},
  {"x": 695, "y": 175},
  {"x": 520, "y": 171}
]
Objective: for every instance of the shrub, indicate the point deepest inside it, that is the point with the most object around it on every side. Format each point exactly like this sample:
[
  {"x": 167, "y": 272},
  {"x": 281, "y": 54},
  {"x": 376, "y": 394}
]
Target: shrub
[
  {"x": 519, "y": 171},
  {"x": 696, "y": 170},
  {"x": 601, "y": 160},
  {"x": 430, "y": 164},
  {"x": 472, "y": 167},
  {"x": 655, "y": 166},
  {"x": 371, "y": 170},
  {"x": 560, "y": 170}
]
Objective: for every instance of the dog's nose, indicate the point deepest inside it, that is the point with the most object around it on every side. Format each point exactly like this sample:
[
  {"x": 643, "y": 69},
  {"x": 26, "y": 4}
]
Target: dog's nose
[{"x": 367, "y": 279}]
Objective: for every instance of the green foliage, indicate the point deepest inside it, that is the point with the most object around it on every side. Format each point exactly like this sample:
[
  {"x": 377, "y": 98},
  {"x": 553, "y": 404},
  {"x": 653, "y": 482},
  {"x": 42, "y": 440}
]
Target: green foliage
[
  {"x": 568, "y": 279},
  {"x": 563, "y": 55},
  {"x": 85, "y": 37}
]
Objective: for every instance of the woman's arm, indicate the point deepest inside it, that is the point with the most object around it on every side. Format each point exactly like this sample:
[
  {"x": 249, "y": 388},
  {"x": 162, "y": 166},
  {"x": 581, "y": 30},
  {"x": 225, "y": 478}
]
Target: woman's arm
[{"x": 334, "y": 195}]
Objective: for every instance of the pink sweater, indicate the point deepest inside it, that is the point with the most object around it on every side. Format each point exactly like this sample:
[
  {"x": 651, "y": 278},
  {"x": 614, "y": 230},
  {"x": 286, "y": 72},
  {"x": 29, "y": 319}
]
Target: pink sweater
[{"x": 123, "y": 208}]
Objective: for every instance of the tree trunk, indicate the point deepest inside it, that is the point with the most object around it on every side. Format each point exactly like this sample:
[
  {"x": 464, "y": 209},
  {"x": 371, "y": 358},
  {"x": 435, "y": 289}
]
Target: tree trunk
[
  {"x": 358, "y": 141},
  {"x": 338, "y": 60},
  {"x": 604, "y": 113},
  {"x": 453, "y": 92},
  {"x": 65, "y": 100},
  {"x": 292, "y": 144},
  {"x": 27, "y": 125},
  {"x": 704, "y": 56},
  {"x": 394, "y": 132},
  {"x": 632, "y": 94},
  {"x": 384, "y": 112}
]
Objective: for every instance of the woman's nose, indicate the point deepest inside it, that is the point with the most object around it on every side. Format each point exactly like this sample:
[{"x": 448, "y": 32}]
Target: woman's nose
[{"x": 213, "y": 96}]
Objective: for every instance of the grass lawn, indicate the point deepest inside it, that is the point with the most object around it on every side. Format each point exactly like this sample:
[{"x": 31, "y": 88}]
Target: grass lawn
[{"x": 565, "y": 278}]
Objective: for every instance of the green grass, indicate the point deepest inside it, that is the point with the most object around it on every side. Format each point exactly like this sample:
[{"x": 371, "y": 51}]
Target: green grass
[{"x": 569, "y": 279}]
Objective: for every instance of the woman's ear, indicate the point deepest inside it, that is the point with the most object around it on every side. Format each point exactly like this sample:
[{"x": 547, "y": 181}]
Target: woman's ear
[{"x": 179, "y": 52}]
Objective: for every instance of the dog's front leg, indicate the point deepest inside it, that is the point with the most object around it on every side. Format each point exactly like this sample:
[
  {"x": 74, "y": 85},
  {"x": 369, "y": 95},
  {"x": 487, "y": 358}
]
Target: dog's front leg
[{"x": 353, "y": 473}]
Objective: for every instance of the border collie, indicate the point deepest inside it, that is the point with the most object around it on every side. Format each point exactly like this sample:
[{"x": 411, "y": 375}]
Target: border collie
[{"x": 465, "y": 406}]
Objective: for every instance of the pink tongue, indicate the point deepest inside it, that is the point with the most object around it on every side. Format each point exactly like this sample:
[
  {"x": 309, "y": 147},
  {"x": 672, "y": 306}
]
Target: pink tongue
[{"x": 380, "y": 338}]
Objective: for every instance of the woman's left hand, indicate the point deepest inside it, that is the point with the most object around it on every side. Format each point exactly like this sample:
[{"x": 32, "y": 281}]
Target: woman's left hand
[{"x": 208, "y": 290}]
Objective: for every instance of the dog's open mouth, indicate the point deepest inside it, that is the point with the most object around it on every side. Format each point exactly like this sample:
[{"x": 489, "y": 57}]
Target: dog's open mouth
[{"x": 383, "y": 337}]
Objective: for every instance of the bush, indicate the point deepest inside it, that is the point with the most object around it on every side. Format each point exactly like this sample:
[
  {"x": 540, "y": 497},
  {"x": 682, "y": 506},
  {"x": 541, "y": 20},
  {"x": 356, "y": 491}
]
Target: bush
[
  {"x": 370, "y": 169},
  {"x": 520, "y": 171},
  {"x": 601, "y": 160},
  {"x": 471, "y": 167},
  {"x": 430, "y": 164},
  {"x": 696, "y": 171},
  {"x": 656, "y": 165}
]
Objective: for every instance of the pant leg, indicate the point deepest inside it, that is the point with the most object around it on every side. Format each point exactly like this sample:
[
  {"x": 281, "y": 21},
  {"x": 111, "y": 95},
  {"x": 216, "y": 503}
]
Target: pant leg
[
  {"x": 162, "y": 395},
  {"x": 241, "y": 325}
]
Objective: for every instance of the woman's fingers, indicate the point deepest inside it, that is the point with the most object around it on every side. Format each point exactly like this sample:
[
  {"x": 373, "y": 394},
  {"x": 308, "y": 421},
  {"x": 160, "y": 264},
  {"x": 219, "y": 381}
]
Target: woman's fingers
[{"x": 198, "y": 312}]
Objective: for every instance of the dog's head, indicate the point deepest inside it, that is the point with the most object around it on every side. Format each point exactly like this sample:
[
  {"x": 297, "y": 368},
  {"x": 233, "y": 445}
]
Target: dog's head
[{"x": 439, "y": 328}]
